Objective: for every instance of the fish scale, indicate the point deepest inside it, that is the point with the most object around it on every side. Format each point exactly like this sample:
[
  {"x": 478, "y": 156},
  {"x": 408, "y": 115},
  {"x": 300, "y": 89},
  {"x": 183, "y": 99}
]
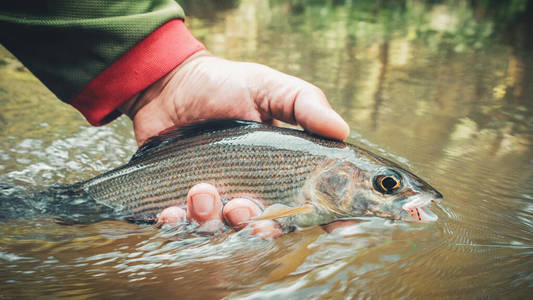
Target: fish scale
[
  {"x": 250, "y": 159},
  {"x": 237, "y": 170}
]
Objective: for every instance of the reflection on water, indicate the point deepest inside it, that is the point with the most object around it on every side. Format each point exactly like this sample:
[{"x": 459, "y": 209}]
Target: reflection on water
[{"x": 442, "y": 87}]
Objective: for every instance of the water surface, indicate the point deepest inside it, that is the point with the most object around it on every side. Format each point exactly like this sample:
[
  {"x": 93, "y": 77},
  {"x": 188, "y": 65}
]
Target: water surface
[{"x": 443, "y": 88}]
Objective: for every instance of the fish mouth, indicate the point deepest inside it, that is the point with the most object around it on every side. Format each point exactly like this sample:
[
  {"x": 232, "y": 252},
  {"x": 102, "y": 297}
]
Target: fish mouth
[{"x": 417, "y": 210}]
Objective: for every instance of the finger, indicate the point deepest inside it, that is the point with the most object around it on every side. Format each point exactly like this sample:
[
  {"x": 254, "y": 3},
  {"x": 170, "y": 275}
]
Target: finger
[
  {"x": 205, "y": 207},
  {"x": 238, "y": 211},
  {"x": 293, "y": 100},
  {"x": 171, "y": 216},
  {"x": 266, "y": 229},
  {"x": 318, "y": 117}
]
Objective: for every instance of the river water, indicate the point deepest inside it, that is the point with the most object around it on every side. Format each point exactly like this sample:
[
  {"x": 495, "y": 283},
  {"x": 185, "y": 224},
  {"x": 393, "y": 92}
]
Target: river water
[{"x": 443, "y": 88}]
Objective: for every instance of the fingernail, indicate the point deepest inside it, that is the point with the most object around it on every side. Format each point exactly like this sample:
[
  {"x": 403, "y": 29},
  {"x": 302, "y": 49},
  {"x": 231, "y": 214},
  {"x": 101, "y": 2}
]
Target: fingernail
[
  {"x": 239, "y": 214},
  {"x": 203, "y": 203},
  {"x": 171, "y": 216}
]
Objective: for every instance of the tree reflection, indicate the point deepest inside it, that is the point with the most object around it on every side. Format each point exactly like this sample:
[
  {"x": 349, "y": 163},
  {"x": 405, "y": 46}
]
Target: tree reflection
[{"x": 442, "y": 76}]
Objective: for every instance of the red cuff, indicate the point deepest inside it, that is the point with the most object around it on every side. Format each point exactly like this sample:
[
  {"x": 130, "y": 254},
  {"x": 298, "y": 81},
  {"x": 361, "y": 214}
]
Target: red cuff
[{"x": 144, "y": 64}]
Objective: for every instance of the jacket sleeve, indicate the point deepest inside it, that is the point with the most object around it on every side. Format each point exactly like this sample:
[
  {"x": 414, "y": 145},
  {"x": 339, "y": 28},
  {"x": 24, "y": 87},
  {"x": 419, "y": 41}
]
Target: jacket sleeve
[{"x": 97, "y": 54}]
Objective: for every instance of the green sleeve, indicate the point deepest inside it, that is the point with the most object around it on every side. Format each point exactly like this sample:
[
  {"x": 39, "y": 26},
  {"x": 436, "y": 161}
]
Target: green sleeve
[{"x": 68, "y": 43}]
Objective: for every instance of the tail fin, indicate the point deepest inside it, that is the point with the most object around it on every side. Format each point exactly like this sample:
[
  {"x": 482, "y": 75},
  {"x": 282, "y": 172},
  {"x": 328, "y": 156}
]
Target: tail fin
[
  {"x": 15, "y": 203},
  {"x": 70, "y": 204}
]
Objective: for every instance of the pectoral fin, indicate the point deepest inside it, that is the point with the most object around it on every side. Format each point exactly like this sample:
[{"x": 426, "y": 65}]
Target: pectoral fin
[{"x": 277, "y": 211}]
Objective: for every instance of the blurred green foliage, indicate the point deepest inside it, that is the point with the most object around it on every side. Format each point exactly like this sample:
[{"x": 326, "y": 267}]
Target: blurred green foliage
[
  {"x": 459, "y": 25},
  {"x": 464, "y": 25}
]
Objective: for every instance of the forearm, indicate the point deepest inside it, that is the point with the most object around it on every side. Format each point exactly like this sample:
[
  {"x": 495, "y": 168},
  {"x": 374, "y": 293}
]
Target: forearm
[{"x": 95, "y": 55}]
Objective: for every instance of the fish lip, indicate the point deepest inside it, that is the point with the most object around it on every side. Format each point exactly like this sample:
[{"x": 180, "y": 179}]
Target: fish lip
[
  {"x": 418, "y": 209},
  {"x": 419, "y": 202}
]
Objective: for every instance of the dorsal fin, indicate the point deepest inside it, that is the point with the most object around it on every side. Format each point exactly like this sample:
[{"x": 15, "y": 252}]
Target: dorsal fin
[{"x": 172, "y": 134}]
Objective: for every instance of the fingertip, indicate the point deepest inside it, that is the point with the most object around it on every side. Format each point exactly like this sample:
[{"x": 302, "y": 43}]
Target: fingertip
[
  {"x": 323, "y": 121},
  {"x": 238, "y": 211},
  {"x": 203, "y": 203},
  {"x": 313, "y": 112},
  {"x": 334, "y": 126},
  {"x": 202, "y": 188},
  {"x": 171, "y": 216},
  {"x": 266, "y": 229}
]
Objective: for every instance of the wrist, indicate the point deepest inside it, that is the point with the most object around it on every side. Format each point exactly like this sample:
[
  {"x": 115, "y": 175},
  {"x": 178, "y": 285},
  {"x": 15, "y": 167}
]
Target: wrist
[
  {"x": 145, "y": 63},
  {"x": 132, "y": 106}
]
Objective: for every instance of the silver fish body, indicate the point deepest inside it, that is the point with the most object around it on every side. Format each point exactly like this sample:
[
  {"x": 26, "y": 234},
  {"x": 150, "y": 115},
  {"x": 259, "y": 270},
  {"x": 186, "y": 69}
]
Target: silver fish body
[{"x": 270, "y": 164}]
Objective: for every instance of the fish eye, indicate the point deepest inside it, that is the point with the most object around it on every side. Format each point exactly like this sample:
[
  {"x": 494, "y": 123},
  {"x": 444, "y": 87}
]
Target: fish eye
[{"x": 387, "y": 183}]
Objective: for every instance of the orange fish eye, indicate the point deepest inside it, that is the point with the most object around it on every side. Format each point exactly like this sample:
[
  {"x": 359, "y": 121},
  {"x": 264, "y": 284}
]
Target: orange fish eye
[{"x": 387, "y": 184}]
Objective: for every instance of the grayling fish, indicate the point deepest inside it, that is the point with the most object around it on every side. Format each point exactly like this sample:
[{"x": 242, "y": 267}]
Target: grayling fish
[{"x": 307, "y": 178}]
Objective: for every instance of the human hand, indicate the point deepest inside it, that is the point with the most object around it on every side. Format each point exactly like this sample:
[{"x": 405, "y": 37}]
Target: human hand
[
  {"x": 205, "y": 208},
  {"x": 207, "y": 87}
]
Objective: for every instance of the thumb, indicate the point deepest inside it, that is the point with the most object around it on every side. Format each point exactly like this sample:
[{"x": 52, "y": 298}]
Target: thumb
[
  {"x": 294, "y": 100},
  {"x": 313, "y": 112}
]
